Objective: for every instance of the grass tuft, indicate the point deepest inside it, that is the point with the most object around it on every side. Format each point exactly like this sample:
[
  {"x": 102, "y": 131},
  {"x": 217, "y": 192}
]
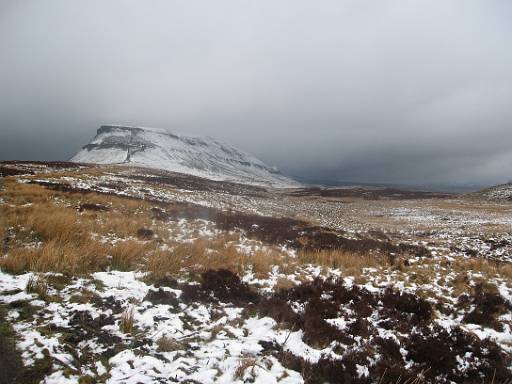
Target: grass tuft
[
  {"x": 39, "y": 286},
  {"x": 126, "y": 324}
]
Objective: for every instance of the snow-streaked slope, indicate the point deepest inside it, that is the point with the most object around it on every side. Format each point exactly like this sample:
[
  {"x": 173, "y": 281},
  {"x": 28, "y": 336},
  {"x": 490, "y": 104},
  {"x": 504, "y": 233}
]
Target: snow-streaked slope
[
  {"x": 499, "y": 192},
  {"x": 155, "y": 148}
]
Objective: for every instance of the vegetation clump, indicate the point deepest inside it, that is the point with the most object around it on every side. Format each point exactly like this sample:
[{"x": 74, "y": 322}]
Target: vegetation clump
[{"x": 487, "y": 304}]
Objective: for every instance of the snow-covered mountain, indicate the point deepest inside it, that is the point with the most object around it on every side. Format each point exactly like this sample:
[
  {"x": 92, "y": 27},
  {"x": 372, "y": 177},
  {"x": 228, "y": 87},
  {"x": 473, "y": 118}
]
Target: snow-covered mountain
[{"x": 156, "y": 148}]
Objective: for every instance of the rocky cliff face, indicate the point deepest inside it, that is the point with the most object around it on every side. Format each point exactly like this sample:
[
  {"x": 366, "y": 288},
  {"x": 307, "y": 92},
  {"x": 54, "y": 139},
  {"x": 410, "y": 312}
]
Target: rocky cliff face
[{"x": 154, "y": 148}]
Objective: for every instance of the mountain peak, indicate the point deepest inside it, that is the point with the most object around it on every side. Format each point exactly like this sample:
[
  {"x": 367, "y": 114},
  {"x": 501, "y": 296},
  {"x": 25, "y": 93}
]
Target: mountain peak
[{"x": 161, "y": 149}]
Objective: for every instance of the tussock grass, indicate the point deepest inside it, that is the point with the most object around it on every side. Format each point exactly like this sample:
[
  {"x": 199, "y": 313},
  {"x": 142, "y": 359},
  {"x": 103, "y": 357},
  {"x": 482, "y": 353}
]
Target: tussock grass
[
  {"x": 38, "y": 285},
  {"x": 128, "y": 255},
  {"x": 119, "y": 224},
  {"x": 262, "y": 261},
  {"x": 479, "y": 264},
  {"x": 346, "y": 261},
  {"x": 127, "y": 320},
  {"x": 51, "y": 235},
  {"x": 48, "y": 235},
  {"x": 17, "y": 260},
  {"x": 19, "y": 194},
  {"x": 67, "y": 258},
  {"x": 3, "y": 226},
  {"x": 55, "y": 223},
  {"x": 161, "y": 264},
  {"x": 168, "y": 344},
  {"x": 219, "y": 253}
]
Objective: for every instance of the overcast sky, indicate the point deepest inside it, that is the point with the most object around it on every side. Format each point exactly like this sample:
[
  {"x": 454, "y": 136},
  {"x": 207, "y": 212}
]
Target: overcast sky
[{"x": 412, "y": 92}]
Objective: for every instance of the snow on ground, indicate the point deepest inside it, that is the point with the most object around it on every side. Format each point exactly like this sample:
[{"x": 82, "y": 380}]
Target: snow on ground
[
  {"x": 200, "y": 354},
  {"x": 175, "y": 339},
  {"x": 180, "y": 334}
]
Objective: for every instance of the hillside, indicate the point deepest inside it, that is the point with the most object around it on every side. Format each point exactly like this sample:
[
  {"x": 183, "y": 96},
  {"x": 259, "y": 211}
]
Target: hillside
[
  {"x": 114, "y": 274},
  {"x": 159, "y": 149},
  {"x": 501, "y": 192}
]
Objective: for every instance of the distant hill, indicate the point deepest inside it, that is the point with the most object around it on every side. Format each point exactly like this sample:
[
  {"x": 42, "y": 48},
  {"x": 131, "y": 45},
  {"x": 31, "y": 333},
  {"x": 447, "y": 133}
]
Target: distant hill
[
  {"x": 501, "y": 192},
  {"x": 198, "y": 156}
]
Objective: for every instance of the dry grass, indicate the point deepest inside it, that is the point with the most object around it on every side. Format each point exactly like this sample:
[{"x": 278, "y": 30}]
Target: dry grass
[
  {"x": 66, "y": 233},
  {"x": 3, "y": 227},
  {"x": 243, "y": 366},
  {"x": 67, "y": 258},
  {"x": 161, "y": 264},
  {"x": 19, "y": 194},
  {"x": 261, "y": 262},
  {"x": 38, "y": 285},
  {"x": 18, "y": 260},
  {"x": 487, "y": 267},
  {"x": 168, "y": 344},
  {"x": 49, "y": 234},
  {"x": 221, "y": 252},
  {"x": 128, "y": 255},
  {"x": 127, "y": 320},
  {"x": 349, "y": 262},
  {"x": 56, "y": 223},
  {"x": 283, "y": 284},
  {"x": 118, "y": 225},
  {"x": 68, "y": 247},
  {"x": 194, "y": 258}
]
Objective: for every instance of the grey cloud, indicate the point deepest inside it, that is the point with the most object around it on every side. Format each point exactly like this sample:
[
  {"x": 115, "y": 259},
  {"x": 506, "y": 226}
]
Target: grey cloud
[{"x": 372, "y": 91}]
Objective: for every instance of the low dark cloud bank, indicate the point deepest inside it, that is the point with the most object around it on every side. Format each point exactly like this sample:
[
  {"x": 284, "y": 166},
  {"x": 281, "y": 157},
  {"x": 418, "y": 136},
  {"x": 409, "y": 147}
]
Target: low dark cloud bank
[{"x": 411, "y": 92}]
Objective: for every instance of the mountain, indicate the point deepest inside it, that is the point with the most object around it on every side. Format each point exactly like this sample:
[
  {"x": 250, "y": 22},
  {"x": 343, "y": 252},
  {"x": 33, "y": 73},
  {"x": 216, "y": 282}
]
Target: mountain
[{"x": 157, "y": 148}]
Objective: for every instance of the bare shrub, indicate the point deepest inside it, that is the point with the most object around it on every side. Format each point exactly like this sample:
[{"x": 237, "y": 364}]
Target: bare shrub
[{"x": 222, "y": 285}]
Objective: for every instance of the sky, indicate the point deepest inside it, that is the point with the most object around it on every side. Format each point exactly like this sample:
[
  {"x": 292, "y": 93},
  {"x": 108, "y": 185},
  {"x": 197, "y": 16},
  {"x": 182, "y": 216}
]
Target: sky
[{"x": 400, "y": 92}]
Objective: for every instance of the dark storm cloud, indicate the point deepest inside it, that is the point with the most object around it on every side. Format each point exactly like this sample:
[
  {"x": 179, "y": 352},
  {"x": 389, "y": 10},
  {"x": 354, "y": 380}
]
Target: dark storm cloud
[{"x": 376, "y": 91}]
